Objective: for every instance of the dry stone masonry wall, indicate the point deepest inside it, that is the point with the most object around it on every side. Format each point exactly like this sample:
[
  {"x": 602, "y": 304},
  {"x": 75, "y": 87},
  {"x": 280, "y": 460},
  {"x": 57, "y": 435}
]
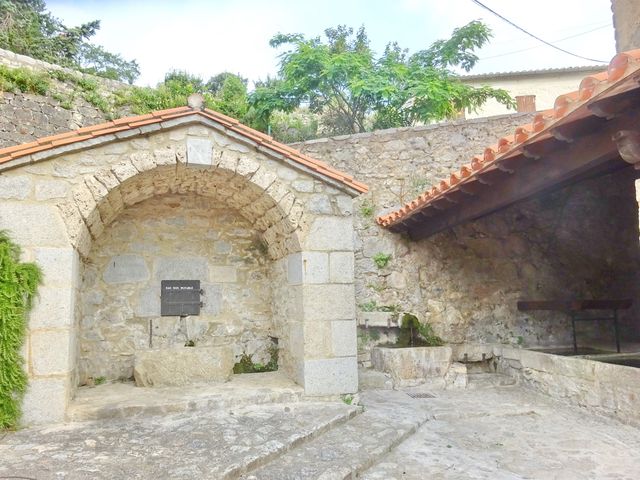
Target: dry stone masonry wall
[
  {"x": 180, "y": 237},
  {"x": 26, "y": 117},
  {"x": 579, "y": 241}
]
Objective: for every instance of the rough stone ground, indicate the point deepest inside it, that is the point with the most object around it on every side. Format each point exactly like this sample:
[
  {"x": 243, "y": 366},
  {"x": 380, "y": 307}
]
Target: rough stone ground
[
  {"x": 511, "y": 433},
  {"x": 214, "y": 445},
  {"x": 485, "y": 433}
]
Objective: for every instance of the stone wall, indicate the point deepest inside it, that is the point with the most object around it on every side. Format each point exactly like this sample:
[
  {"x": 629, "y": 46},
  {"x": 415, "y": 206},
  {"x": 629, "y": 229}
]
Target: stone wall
[
  {"x": 580, "y": 241},
  {"x": 179, "y": 237},
  {"x": 26, "y": 117},
  {"x": 603, "y": 388},
  {"x": 626, "y": 21},
  {"x": 110, "y": 211}
]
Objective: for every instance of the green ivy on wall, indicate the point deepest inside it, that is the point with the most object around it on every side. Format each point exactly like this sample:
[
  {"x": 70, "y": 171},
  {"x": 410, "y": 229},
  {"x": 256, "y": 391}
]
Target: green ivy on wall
[{"x": 18, "y": 286}]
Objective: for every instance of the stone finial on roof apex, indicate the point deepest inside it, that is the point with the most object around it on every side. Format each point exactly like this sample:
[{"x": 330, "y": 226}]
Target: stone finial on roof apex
[{"x": 196, "y": 101}]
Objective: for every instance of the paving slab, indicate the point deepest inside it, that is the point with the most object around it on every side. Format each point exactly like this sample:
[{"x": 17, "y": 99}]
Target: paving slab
[
  {"x": 511, "y": 433},
  {"x": 389, "y": 417},
  {"x": 125, "y": 400},
  {"x": 217, "y": 444}
]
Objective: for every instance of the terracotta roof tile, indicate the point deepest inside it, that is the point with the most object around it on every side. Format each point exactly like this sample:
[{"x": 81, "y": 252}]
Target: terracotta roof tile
[
  {"x": 128, "y": 123},
  {"x": 622, "y": 66}
]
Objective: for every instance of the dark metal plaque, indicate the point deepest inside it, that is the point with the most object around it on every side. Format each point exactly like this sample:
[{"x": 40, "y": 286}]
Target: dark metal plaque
[{"x": 179, "y": 297}]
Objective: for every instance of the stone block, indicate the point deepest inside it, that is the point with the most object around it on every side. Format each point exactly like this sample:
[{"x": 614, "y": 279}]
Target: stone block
[
  {"x": 199, "y": 151},
  {"x": 294, "y": 269},
  {"x": 329, "y": 302},
  {"x": 378, "y": 319},
  {"x": 212, "y": 299},
  {"x": 341, "y": 267},
  {"x": 45, "y": 401},
  {"x": 16, "y": 187},
  {"x": 58, "y": 265},
  {"x": 53, "y": 307},
  {"x": 33, "y": 225},
  {"x": 50, "y": 189},
  {"x": 317, "y": 340},
  {"x": 331, "y": 376},
  {"x": 345, "y": 204},
  {"x": 180, "y": 268},
  {"x": 126, "y": 269},
  {"x": 380, "y": 244},
  {"x": 330, "y": 233},
  {"x": 50, "y": 352},
  {"x": 320, "y": 204},
  {"x": 413, "y": 365},
  {"x": 315, "y": 267},
  {"x": 223, "y": 274},
  {"x": 304, "y": 186},
  {"x": 183, "y": 366},
  {"x": 343, "y": 338},
  {"x": 147, "y": 304}
]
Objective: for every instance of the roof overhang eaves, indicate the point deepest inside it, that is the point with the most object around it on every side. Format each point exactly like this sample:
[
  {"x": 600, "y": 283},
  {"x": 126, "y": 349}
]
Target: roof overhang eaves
[{"x": 115, "y": 134}]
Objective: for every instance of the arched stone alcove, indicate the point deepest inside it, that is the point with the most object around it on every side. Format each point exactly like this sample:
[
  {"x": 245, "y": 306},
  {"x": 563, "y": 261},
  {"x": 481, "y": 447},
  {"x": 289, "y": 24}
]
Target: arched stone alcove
[{"x": 267, "y": 231}]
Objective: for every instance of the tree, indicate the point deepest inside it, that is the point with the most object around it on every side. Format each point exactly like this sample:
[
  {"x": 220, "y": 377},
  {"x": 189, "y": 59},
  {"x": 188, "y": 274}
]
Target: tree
[
  {"x": 341, "y": 79},
  {"x": 27, "y": 28}
]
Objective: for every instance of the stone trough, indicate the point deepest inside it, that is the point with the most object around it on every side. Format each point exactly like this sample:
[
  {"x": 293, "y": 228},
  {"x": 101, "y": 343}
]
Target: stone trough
[
  {"x": 417, "y": 365},
  {"x": 175, "y": 367}
]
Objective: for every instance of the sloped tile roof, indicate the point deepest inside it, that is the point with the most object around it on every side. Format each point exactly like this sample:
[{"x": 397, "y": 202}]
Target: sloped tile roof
[
  {"x": 12, "y": 153},
  {"x": 623, "y": 70}
]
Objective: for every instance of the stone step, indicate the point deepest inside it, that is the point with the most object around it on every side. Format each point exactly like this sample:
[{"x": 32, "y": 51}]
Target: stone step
[
  {"x": 345, "y": 451},
  {"x": 125, "y": 400},
  {"x": 488, "y": 380},
  {"x": 211, "y": 444}
]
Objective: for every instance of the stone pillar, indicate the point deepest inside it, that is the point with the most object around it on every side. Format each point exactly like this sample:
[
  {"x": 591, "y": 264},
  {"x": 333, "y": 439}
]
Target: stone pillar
[
  {"x": 50, "y": 344},
  {"x": 328, "y": 297},
  {"x": 626, "y": 21}
]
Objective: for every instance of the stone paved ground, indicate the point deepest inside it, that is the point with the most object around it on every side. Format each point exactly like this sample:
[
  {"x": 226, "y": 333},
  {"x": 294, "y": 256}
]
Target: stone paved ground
[
  {"x": 511, "y": 433},
  {"x": 212, "y": 445},
  {"x": 487, "y": 433}
]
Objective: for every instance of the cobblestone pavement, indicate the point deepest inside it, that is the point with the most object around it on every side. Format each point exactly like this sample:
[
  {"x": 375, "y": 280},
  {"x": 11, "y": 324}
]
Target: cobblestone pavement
[
  {"x": 213, "y": 445},
  {"x": 511, "y": 433}
]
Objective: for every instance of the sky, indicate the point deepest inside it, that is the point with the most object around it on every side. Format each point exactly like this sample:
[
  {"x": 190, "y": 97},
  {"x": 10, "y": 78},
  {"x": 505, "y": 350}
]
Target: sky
[{"x": 206, "y": 37}]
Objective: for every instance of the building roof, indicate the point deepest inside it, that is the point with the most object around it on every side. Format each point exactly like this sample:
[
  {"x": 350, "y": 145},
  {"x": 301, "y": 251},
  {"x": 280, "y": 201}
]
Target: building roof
[
  {"x": 597, "y": 100},
  {"x": 528, "y": 73},
  {"x": 128, "y": 126}
]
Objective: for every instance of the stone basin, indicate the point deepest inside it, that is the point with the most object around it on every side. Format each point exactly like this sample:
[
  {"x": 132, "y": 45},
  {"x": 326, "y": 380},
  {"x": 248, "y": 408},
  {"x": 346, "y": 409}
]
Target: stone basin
[
  {"x": 175, "y": 367},
  {"x": 412, "y": 365}
]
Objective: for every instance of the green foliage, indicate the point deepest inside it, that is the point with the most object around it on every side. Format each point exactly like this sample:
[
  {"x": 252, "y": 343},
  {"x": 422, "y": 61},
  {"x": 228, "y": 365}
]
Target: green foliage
[
  {"x": 413, "y": 333},
  {"x": 99, "y": 380},
  {"x": 29, "y": 29},
  {"x": 342, "y": 80},
  {"x": 230, "y": 98},
  {"x": 348, "y": 399},
  {"x": 366, "y": 208},
  {"x": 370, "y": 306},
  {"x": 381, "y": 259},
  {"x": 246, "y": 364},
  {"x": 23, "y": 80},
  {"x": 296, "y": 126},
  {"x": 18, "y": 285}
]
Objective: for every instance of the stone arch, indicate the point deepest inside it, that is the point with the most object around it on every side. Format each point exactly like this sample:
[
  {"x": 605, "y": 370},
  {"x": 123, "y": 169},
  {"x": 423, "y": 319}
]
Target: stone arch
[{"x": 239, "y": 182}]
